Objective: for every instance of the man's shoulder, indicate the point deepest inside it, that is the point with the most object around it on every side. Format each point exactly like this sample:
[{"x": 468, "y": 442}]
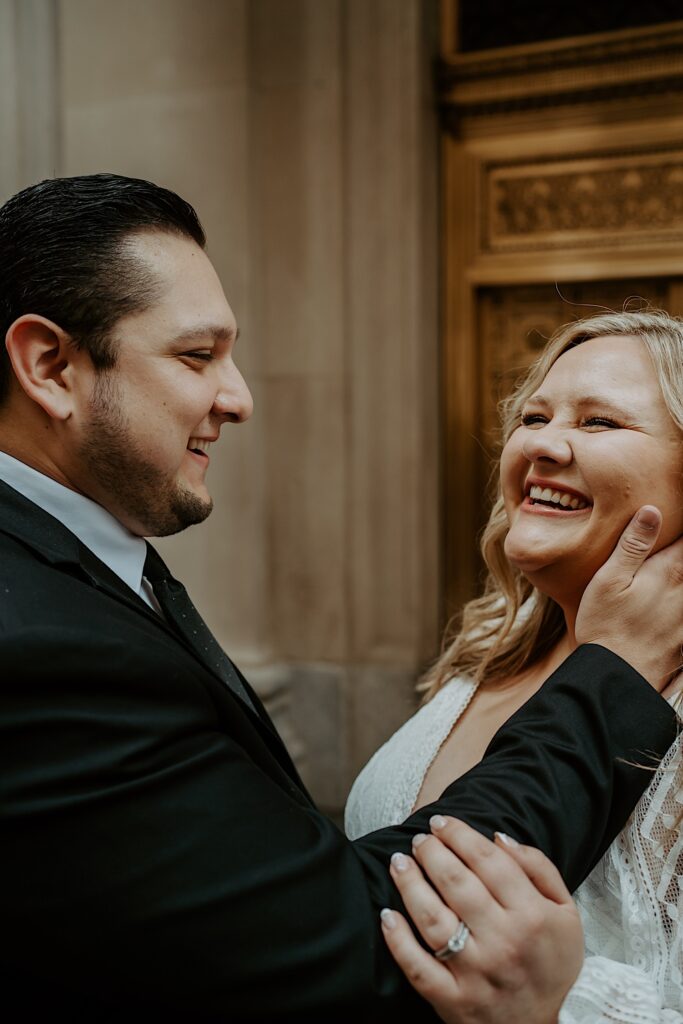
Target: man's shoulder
[
  {"x": 28, "y": 581},
  {"x": 46, "y": 608},
  {"x": 55, "y": 623}
]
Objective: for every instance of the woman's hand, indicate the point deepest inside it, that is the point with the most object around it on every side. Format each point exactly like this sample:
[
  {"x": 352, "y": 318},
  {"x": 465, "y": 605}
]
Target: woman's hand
[{"x": 525, "y": 944}]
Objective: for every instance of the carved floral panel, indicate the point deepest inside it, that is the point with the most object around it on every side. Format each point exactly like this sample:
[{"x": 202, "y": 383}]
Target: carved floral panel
[
  {"x": 515, "y": 322},
  {"x": 619, "y": 200}
]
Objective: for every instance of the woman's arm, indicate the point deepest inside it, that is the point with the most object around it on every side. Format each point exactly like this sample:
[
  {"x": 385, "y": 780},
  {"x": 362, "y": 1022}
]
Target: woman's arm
[
  {"x": 609, "y": 992},
  {"x": 631, "y": 908}
]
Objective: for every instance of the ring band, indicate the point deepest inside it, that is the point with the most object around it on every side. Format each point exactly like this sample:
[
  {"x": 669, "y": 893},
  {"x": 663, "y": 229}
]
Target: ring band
[{"x": 455, "y": 944}]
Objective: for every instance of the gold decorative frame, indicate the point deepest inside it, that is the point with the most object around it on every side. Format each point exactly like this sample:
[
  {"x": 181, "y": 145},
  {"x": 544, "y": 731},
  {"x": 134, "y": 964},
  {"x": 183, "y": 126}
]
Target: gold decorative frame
[{"x": 562, "y": 168}]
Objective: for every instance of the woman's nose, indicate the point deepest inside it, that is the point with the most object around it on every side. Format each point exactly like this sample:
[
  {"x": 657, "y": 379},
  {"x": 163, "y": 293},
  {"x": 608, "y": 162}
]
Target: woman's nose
[{"x": 547, "y": 444}]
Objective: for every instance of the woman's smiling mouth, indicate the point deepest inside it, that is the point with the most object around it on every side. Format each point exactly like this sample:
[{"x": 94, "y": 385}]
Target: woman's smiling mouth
[{"x": 553, "y": 499}]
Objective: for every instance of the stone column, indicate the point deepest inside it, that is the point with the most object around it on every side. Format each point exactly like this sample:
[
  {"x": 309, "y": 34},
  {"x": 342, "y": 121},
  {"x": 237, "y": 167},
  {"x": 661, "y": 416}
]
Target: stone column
[
  {"x": 344, "y": 266},
  {"x": 29, "y": 98},
  {"x": 159, "y": 90},
  {"x": 303, "y": 131}
]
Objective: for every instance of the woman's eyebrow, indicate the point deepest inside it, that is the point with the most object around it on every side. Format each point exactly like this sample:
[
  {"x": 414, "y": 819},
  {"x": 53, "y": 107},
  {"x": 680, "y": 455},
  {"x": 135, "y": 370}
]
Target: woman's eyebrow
[
  {"x": 539, "y": 400},
  {"x": 586, "y": 401},
  {"x": 604, "y": 403}
]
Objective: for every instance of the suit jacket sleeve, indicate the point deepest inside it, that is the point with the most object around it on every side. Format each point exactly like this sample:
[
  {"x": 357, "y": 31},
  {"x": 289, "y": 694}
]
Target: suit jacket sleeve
[{"x": 147, "y": 860}]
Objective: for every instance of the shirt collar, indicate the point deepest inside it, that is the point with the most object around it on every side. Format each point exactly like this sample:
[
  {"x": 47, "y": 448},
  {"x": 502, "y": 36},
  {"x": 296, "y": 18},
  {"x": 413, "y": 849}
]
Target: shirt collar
[{"x": 99, "y": 530}]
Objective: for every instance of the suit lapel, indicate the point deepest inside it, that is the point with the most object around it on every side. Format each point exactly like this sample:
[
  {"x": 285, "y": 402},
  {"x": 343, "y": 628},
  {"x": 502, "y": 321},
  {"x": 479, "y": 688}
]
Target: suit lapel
[{"x": 54, "y": 543}]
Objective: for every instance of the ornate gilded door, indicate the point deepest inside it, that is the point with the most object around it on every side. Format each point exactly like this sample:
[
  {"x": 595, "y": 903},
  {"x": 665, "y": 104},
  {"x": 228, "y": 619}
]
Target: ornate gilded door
[{"x": 562, "y": 192}]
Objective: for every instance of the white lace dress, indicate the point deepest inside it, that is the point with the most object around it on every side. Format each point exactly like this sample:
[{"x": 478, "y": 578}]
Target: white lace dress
[{"x": 631, "y": 902}]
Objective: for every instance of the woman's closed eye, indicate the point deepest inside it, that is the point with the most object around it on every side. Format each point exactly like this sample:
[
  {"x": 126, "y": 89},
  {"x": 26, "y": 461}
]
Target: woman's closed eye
[
  {"x": 600, "y": 421},
  {"x": 532, "y": 419}
]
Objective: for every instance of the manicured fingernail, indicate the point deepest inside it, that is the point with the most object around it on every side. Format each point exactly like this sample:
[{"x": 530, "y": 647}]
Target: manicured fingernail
[
  {"x": 437, "y": 821},
  {"x": 508, "y": 840},
  {"x": 399, "y": 861},
  {"x": 388, "y": 918},
  {"x": 419, "y": 839}
]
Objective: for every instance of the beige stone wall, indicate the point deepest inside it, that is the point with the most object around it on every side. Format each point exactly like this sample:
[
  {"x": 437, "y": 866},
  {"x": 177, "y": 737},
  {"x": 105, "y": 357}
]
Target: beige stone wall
[{"x": 303, "y": 131}]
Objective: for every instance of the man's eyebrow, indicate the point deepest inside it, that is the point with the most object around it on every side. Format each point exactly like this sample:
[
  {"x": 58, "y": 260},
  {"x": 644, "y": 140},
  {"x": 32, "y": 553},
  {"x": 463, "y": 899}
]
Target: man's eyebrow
[{"x": 217, "y": 332}]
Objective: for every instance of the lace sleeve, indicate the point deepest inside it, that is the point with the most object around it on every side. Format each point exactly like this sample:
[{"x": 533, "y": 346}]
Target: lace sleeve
[
  {"x": 632, "y": 906},
  {"x": 607, "y": 992}
]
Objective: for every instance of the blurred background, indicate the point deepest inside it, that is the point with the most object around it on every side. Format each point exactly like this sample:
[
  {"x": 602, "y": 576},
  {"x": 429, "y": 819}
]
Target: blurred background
[{"x": 403, "y": 198}]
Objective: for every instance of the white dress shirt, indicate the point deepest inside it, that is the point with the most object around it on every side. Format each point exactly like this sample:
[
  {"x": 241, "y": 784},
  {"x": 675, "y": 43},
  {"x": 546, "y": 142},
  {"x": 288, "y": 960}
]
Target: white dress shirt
[{"x": 97, "y": 529}]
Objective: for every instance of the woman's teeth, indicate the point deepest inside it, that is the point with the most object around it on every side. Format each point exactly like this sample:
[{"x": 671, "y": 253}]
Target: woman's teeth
[{"x": 557, "y": 498}]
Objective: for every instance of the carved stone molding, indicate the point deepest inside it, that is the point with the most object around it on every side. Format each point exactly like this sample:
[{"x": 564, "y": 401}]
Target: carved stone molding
[
  {"x": 615, "y": 200},
  {"x": 616, "y": 65}
]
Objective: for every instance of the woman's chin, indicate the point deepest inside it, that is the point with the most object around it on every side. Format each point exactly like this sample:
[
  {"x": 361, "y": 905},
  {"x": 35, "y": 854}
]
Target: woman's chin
[
  {"x": 527, "y": 558},
  {"x": 548, "y": 571},
  {"x": 563, "y": 582}
]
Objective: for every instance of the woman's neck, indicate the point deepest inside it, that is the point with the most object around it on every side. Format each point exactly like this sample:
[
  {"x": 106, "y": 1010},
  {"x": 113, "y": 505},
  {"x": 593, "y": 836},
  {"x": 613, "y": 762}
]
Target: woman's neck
[
  {"x": 559, "y": 653},
  {"x": 570, "y": 611},
  {"x": 535, "y": 675}
]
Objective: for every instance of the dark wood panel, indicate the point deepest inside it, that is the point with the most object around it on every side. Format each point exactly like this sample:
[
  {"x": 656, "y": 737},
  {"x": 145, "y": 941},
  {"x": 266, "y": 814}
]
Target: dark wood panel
[{"x": 485, "y": 24}]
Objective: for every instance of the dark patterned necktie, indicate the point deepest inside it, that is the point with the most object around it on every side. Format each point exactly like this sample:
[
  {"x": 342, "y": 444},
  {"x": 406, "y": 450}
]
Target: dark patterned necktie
[{"x": 182, "y": 615}]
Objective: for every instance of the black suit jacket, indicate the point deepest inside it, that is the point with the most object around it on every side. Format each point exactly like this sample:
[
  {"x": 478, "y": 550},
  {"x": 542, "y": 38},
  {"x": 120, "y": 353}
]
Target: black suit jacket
[{"x": 159, "y": 855}]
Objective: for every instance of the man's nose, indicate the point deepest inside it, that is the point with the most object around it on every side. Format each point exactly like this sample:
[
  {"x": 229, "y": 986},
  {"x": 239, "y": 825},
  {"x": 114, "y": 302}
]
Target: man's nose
[
  {"x": 548, "y": 444},
  {"x": 233, "y": 401}
]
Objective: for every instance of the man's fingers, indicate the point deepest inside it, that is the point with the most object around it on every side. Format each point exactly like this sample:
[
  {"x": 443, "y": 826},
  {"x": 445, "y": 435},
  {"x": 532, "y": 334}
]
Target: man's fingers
[
  {"x": 431, "y": 979},
  {"x": 634, "y": 603},
  {"x": 636, "y": 542},
  {"x": 540, "y": 871}
]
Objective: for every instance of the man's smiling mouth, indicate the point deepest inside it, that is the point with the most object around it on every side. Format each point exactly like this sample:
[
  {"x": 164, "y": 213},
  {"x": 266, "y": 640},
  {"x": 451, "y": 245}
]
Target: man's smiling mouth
[
  {"x": 199, "y": 446},
  {"x": 562, "y": 501}
]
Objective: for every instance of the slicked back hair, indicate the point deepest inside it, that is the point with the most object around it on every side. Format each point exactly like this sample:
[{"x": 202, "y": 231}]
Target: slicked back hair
[{"x": 63, "y": 255}]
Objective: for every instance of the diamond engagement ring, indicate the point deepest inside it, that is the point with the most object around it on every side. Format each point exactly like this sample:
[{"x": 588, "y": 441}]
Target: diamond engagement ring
[{"x": 455, "y": 944}]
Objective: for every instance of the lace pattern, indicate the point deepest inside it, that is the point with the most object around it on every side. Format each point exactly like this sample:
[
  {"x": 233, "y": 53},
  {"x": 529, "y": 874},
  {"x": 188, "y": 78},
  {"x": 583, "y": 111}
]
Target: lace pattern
[
  {"x": 386, "y": 790},
  {"x": 630, "y": 904}
]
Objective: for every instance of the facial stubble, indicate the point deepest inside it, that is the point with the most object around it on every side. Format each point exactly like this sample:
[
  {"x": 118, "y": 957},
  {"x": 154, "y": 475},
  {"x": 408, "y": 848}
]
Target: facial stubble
[{"x": 138, "y": 489}]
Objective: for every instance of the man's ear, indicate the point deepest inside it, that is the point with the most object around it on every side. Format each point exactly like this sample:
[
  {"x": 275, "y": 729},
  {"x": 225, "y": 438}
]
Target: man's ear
[{"x": 44, "y": 360}]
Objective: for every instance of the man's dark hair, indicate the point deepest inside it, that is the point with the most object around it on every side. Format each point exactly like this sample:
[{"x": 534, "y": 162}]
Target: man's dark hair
[{"x": 63, "y": 256}]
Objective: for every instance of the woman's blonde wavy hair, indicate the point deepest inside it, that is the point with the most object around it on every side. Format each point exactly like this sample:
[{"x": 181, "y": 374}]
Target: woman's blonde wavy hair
[{"x": 512, "y": 624}]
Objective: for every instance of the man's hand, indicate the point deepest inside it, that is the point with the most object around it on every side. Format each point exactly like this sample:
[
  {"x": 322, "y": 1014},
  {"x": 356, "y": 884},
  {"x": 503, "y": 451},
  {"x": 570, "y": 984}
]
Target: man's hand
[
  {"x": 525, "y": 944},
  {"x": 634, "y": 604}
]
